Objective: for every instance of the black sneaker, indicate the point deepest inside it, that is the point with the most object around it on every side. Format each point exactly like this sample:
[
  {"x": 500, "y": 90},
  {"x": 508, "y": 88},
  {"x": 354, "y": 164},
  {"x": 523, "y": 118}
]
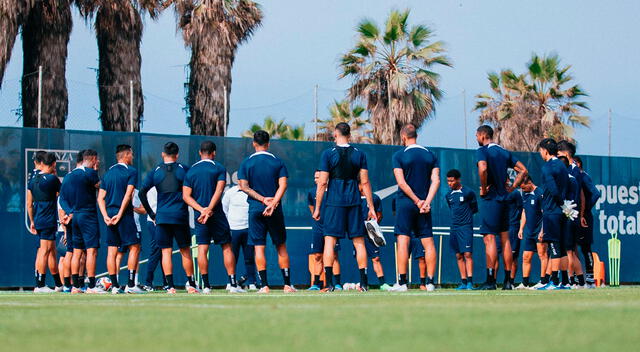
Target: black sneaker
[
  {"x": 507, "y": 286},
  {"x": 241, "y": 281},
  {"x": 487, "y": 286}
]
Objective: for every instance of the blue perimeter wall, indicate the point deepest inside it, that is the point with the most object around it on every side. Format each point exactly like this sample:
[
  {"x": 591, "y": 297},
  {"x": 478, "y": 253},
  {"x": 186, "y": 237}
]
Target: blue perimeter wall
[{"x": 617, "y": 211}]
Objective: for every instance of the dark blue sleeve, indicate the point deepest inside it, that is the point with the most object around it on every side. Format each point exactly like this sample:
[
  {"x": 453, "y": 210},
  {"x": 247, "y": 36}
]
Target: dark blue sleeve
[
  {"x": 283, "y": 170},
  {"x": 549, "y": 184},
  {"x": 519, "y": 201},
  {"x": 92, "y": 177},
  {"x": 222, "y": 176},
  {"x": 242, "y": 171},
  {"x": 363, "y": 161},
  {"x": 591, "y": 188},
  {"x": 310, "y": 198},
  {"x": 436, "y": 162},
  {"x": 446, "y": 199},
  {"x": 102, "y": 184},
  {"x": 56, "y": 184},
  {"x": 132, "y": 180},
  {"x": 480, "y": 154},
  {"x": 396, "y": 161},
  {"x": 473, "y": 202},
  {"x": 147, "y": 184},
  {"x": 187, "y": 182},
  {"x": 324, "y": 161},
  {"x": 512, "y": 160}
]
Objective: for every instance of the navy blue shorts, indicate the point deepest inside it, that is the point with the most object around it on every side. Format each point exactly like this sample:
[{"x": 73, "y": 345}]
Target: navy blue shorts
[
  {"x": 556, "y": 250},
  {"x": 61, "y": 249},
  {"x": 48, "y": 234},
  {"x": 514, "y": 241},
  {"x": 461, "y": 239},
  {"x": 373, "y": 251},
  {"x": 124, "y": 233},
  {"x": 495, "y": 216},
  {"x": 529, "y": 243},
  {"x": 409, "y": 221},
  {"x": 570, "y": 233},
  {"x": 215, "y": 231},
  {"x": 317, "y": 243},
  {"x": 86, "y": 232},
  {"x": 69, "y": 228},
  {"x": 552, "y": 227},
  {"x": 585, "y": 234},
  {"x": 416, "y": 248},
  {"x": 341, "y": 222},
  {"x": 260, "y": 225},
  {"x": 166, "y": 233}
]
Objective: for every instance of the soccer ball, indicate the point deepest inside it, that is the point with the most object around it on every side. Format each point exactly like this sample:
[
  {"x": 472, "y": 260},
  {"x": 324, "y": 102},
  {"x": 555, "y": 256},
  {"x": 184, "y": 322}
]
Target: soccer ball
[{"x": 104, "y": 282}]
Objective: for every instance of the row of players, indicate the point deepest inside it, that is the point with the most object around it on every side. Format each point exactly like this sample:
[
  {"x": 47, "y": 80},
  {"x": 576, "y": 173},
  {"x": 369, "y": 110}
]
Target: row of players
[{"x": 342, "y": 190}]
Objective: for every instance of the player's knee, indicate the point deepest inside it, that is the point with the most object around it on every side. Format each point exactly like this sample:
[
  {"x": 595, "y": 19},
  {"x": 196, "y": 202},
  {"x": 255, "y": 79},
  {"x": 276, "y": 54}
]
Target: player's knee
[{"x": 468, "y": 256}]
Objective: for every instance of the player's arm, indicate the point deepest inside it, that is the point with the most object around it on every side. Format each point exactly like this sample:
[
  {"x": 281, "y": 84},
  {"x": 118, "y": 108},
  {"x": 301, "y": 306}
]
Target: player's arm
[
  {"x": 217, "y": 195},
  {"x": 550, "y": 185},
  {"x": 188, "y": 198},
  {"x": 32, "y": 227},
  {"x": 366, "y": 189},
  {"x": 103, "y": 206},
  {"x": 282, "y": 187},
  {"x": 523, "y": 222},
  {"x": 244, "y": 187},
  {"x": 484, "y": 178},
  {"x": 522, "y": 173},
  {"x": 404, "y": 186},
  {"x": 583, "y": 206},
  {"x": 323, "y": 181},
  {"x": 126, "y": 201},
  {"x": 146, "y": 186},
  {"x": 433, "y": 190}
]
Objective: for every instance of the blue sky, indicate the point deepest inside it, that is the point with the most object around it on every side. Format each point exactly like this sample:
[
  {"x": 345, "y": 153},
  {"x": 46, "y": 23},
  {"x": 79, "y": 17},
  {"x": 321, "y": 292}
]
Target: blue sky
[{"x": 300, "y": 42}]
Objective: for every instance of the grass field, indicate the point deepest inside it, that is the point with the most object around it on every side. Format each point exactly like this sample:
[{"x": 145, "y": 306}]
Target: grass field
[{"x": 446, "y": 320}]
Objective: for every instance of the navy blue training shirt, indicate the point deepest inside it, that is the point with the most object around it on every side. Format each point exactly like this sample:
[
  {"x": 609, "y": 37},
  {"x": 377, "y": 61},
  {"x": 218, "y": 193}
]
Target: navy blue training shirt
[
  {"x": 591, "y": 193},
  {"x": 377, "y": 206},
  {"x": 463, "y": 205},
  {"x": 203, "y": 178},
  {"x": 417, "y": 163},
  {"x": 498, "y": 161},
  {"x": 262, "y": 170},
  {"x": 44, "y": 189},
  {"x": 514, "y": 202},
  {"x": 115, "y": 183},
  {"x": 84, "y": 181},
  {"x": 171, "y": 209},
  {"x": 343, "y": 192},
  {"x": 532, "y": 205},
  {"x": 555, "y": 182},
  {"x": 573, "y": 191},
  {"x": 68, "y": 193}
]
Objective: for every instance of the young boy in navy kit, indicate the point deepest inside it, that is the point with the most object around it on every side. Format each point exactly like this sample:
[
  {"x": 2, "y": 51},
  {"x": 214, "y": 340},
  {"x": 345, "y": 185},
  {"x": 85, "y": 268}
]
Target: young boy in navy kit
[
  {"x": 463, "y": 204},
  {"x": 42, "y": 208}
]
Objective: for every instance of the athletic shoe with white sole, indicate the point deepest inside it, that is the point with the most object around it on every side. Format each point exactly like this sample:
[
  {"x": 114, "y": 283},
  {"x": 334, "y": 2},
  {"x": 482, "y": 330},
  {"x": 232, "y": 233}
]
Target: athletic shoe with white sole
[
  {"x": 148, "y": 288},
  {"x": 76, "y": 290},
  {"x": 264, "y": 289},
  {"x": 537, "y": 286},
  {"x": 206, "y": 291},
  {"x": 96, "y": 290},
  {"x": 399, "y": 288},
  {"x": 521, "y": 287},
  {"x": 385, "y": 287},
  {"x": 253, "y": 287},
  {"x": 338, "y": 287},
  {"x": 236, "y": 289},
  {"x": 135, "y": 290},
  {"x": 192, "y": 290},
  {"x": 289, "y": 289},
  {"x": 171, "y": 290},
  {"x": 228, "y": 287},
  {"x": 66, "y": 289},
  {"x": 43, "y": 289},
  {"x": 431, "y": 287},
  {"x": 115, "y": 290},
  {"x": 58, "y": 288}
]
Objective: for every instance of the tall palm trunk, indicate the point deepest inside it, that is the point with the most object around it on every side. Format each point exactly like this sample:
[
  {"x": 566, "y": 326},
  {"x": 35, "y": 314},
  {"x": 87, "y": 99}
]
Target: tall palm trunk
[
  {"x": 210, "y": 75},
  {"x": 119, "y": 32},
  {"x": 45, "y": 36},
  {"x": 12, "y": 13}
]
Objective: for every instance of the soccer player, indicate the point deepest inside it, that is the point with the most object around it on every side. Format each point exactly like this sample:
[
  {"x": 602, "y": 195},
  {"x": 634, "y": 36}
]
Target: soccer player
[
  {"x": 340, "y": 167},
  {"x": 66, "y": 248},
  {"x": 86, "y": 236},
  {"x": 514, "y": 204},
  {"x": 172, "y": 216},
  {"x": 202, "y": 190},
  {"x": 236, "y": 208},
  {"x": 373, "y": 251},
  {"x": 493, "y": 162},
  {"x": 463, "y": 204},
  {"x": 417, "y": 172},
  {"x": 574, "y": 192},
  {"x": 585, "y": 231},
  {"x": 317, "y": 243},
  {"x": 530, "y": 232},
  {"x": 38, "y": 157},
  {"x": 555, "y": 182},
  {"x": 67, "y": 200},
  {"x": 155, "y": 253},
  {"x": 115, "y": 202},
  {"x": 263, "y": 177},
  {"x": 42, "y": 193}
]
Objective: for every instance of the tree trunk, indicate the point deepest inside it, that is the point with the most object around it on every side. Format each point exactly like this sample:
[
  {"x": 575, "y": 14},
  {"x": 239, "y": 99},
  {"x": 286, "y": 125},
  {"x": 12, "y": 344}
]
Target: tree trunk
[
  {"x": 119, "y": 32},
  {"x": 210, "y": 74},
  {"x": 45, "y": 36},
  {"x": 8, "y": 33}
]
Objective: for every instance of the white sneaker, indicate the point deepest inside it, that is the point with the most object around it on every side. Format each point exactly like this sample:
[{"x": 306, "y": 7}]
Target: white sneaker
[
  {"x": 537, "y": 286},
  {"x": 44, "y": 289},
  {"x": 115, "y": 290},
  {"x": 58, "y": 289},
  {"x": 134, "y": 290},
  {"x": 521, "y": 287},
  {"x": 579, "y": 287},
  {"x": 431, "y": 287},
  {"x": 568, "y": 287},
  {"x": 206, "y": 291},
  {"x": 253, "y": 287},
  {"x": 96, "y": 290},
  {"x": 236, "y": 289},
  {"x": 228, "y": 288},
  {"x": 399, "y": 288}
]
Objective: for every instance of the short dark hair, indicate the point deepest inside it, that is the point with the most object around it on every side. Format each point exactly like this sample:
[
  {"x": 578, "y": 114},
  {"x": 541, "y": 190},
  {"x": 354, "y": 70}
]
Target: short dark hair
[
  {"x": 564, "y": 159},
  {"x": 207, "y": 147},
  {"x": 344, "y": 129},
  {"x": 550, "y": 145},
  {"x": 486, "y": 129},
  {"x": 38, "y": 156},
  {"x": 122, "y": 148},
  {"x": 49, "y": 158},
  {"x": 567, "y": 146},
  {"x": 261, "y": 137},
  {"x": 88, "y": 152},
  {"x": 455, "y": 173},
  {"x": 171, "y": 148},
  {"x": 409, "y": 130},
  {"x": 80, "y": 156},
  {"x": 578, "y": 160}
]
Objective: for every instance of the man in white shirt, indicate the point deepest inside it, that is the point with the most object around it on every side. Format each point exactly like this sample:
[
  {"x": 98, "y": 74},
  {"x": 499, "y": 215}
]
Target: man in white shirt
[{"x": 236, "y": 208}]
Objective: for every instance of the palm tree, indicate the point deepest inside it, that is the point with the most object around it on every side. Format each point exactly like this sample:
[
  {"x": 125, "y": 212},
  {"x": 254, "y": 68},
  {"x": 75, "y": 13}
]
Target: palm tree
[
  {"x": 45, "y": 36},
  {"x": 527, "y": 107},
  {"x": 277, "y": 130},
  {"x": 12, "y": 14},
  {"x": 213, "y": 30},
  {"x": 342, "y": 111},
  {"x": 392, "y": 74},
  {"x": 118, "y": 26}
]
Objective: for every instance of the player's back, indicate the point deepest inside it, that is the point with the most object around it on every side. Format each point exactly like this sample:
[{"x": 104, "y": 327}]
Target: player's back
[
  {"x": 44, "y": 189},
  {"x": 168, "y": 179},
  {"x": 532, "y": 205},
  {"x": 498, "y": 161},
  {"x": 262, "y": 170},
  {"x": 343, "y": 163},
  {"x": 417, "y": 163},
  {"x": 514, "y": 201},
  {"x": 115, "y": 182},
  {"x": 202, "y": 178},
  {"x": 84, "y": 180},
  {"x": 555, "y": 178}
]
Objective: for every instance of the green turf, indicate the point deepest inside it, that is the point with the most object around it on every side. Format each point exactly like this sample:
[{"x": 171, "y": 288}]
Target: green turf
[{"x": 603, "y": 319}]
